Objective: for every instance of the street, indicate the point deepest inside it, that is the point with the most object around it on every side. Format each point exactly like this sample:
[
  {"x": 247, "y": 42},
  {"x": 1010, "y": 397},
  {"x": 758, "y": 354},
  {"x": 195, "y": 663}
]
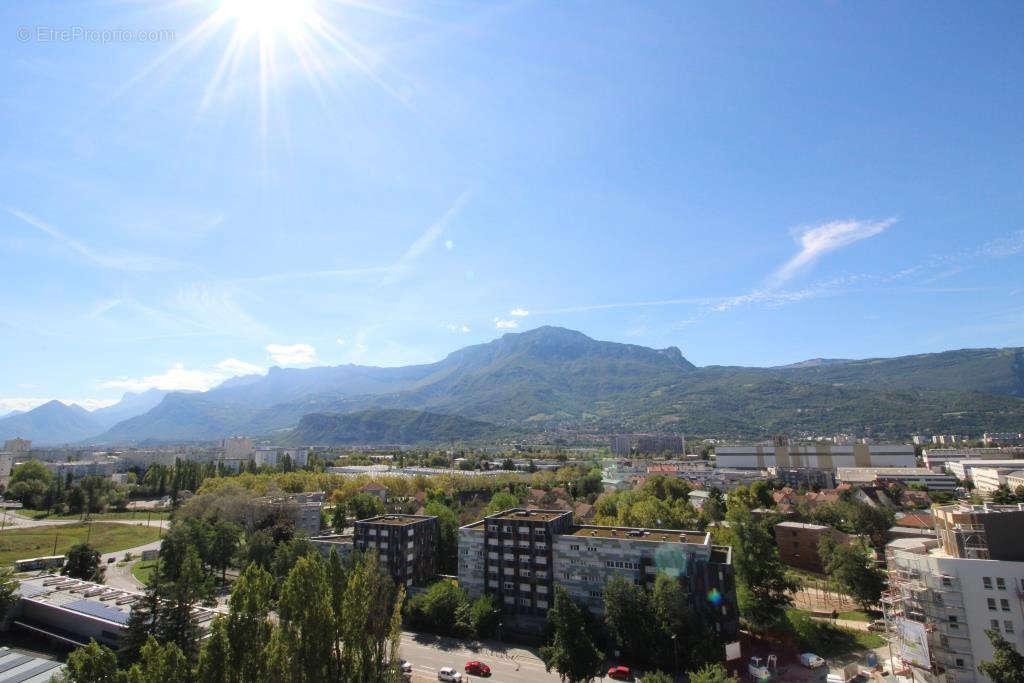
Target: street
[{"x": 508, "y": 664}]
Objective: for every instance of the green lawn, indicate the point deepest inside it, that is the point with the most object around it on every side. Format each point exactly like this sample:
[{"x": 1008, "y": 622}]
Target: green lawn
[
  {"x": 142, "y": 570},
  {"x": 138, "y": 515},
  {"x": 827, "y": 640},
  {"x": 855, "y": 616},
  {"x": 18, "y": 544}
]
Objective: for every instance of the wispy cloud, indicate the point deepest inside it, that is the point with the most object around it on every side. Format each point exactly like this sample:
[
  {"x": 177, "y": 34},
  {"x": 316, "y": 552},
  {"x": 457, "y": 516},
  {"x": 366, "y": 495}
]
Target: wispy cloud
[
  {"x": 503, "y": 324},
  {"x": 114, "y": 259},
  {"x": 821, "y": 239},
  {"x": 519, "y": 312},
  {"x": 622, "y": 304},
  {"x": 177, "y": 378},
  {"x": 457, "y": 328},
  {"x": 240, "y": 367},
  {"x": 292, "y": 354},
  {"x": 424, "y": 241}
]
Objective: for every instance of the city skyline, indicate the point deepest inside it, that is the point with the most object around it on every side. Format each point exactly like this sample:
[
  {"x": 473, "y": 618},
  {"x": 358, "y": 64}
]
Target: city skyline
[{"x": 754, "y": 186}]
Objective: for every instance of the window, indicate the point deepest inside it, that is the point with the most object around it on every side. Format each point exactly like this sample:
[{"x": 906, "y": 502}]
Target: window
[
  {"x": 1008, "y": 626},
  {"x": 986, "y": 581},
  {"x": 574, "y": 547},
  {"x": 591, "y": 549},
  {"x": 959, "y": 663},
  {"x": 1004, "y": 604},
  {"x": 595, "y": 594},
  {"x": 946, "y": 581},
  {"x": 995, "y": 624},
  {"x": 1000, "y": 583},
  {"x": 510, "y": 586},
  {"x": 991, "y": 603}
]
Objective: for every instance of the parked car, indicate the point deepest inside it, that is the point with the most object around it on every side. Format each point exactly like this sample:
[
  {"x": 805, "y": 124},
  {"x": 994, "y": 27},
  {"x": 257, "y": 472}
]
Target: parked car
[
  {"x": 877, "y": 625},
  {"x": 811, "y": 660},
  {"x": 620, "y": 673},
  {"x": 404, "y": 666},
  {"x": 478, "y": 668},
  {"x": 446, "y": 673}
]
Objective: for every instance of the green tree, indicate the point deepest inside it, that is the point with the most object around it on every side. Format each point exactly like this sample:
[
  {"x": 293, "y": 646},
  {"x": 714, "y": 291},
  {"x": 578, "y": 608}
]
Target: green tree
[
  {"x": 484, "y": 616},
  {"x": 364, "y": 506},
  {"x": 307, "y": 622},
  {"x": 762, "y": 584},
  {"x": 247, "y": 629},
  {"x": 338, "y": 518},
  {"x": 656, "y": 677},
  {"x": 852, "y": 566},
  {"x": 627, "y": 618},
  {"x": 8, "y": 584},
  {"x": 142, "y": 621},
  {"x": 571, "y": 650},
  {"x": 83, "y": 562},
  {"x": 176, "y": 622},
  {"x": 93, "y": 663},
  {"x": 214, "y": 656},
  {"x": 712, "y": 673},
  {"x": 160, "y": 664},
  {"x": 502, "y": 500},
  {"x": 682, "y": 635},
  {"x": 443, "y": 608},
  {"x": 31, "y": 470},
  {"x": 448, "y": 537},
  {"x": 372, "y": 623},
  {"x": 1007, "y": 665},
  {"x": 224, "y": 545}
]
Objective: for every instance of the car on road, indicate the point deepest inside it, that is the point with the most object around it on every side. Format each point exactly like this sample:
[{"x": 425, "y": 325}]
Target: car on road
[
  {"x": 448, "y": 674},
  {"x": 620, "y": 673},
  {"x": 478, "y": 668},
  {"x": 404, "y": 666},
  {"x": 811, "y": 660}
]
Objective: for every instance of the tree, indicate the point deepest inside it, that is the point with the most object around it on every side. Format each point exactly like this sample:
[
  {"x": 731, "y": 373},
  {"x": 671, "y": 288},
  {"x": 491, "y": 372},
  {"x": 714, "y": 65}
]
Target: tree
[
  {"x": 448, "y": 536},
  {"x": 502, "y": 500},
  {"x": 443, "y": 608},
  {"x": 176, "y": 622},
  {"x": 83, "y": 562},
  {"x": 656, "y": 677},
  {"x": 571, "y": 651},
  {"x": 1003, "y": 495},
  {"x": 1007, "y": 665},
  {"x": 307, "y": 622},
  {"x": 371, "y": 626},
  {"x": 246, "y": 630},
  {"x": 682, "y": 634},
  {"x": 224, "y": 545},
  {"x": 338, "y": 519},
  {"x": 142, "y": 621},
  {"x": 93, "y": 663},
  {"x": 627, "y": 611},
  {"x": 762, "y": 584},
  {"x": 213, "y": 658},
  {"x": 8, "y": 584},
  {"x": 364, "y": 506},
  {"x": 160, "y": 664},
  {"x": 852, "y": 567},
  {"x": 712, "y": 673},
  {"x": 484, "y": 616}
]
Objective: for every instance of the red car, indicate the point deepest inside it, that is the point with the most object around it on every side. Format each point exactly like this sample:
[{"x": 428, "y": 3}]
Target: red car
[
  {"x": 478, "y": 668},
  {"x": 620, "y": 673}
]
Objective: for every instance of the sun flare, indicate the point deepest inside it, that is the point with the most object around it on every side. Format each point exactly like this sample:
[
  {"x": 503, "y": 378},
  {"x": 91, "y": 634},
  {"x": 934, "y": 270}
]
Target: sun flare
[{"x": 265, "y": 19}]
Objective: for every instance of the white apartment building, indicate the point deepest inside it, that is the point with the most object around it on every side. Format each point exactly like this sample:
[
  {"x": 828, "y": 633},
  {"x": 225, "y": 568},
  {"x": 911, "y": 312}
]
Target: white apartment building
[
  {"x": 237, "y": 448},
  {"x": 987, "y": 479},
  {"x": 1015, "y": 479},
  {"x": 944, "y": 593},
  {"x": 963, "y": 469},
  {"x": 935, "y": 459},
  {"x": 781, "y": 453}
]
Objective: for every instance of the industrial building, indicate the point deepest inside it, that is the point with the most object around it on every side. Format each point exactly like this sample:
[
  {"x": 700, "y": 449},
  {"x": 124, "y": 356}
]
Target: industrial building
[
  {"x": 782, "y": 453},
  {"x": 17, "y": 667},
  {"x": 963, "y": 469},
  {"x": 521, "y": 555},
  {"x": 945, "y": 593},
  {"x": 936, "y": 459},
  {"x": 810, "y": 477},
  {"x": 862, "y": 476}
]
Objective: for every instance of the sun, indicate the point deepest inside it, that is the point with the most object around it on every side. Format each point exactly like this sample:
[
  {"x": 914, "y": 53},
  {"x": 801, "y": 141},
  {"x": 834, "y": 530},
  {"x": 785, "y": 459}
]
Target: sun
[{"x": 263, "y": 19}]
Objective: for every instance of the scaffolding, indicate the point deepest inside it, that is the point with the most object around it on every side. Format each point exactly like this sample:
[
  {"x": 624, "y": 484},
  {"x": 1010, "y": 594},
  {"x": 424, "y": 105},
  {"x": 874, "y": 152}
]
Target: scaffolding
[{"x": 935, "y": 602}]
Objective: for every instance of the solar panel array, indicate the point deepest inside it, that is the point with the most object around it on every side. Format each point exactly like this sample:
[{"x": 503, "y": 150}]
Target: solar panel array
[
  {"x": 29, "y": 591},
  {"x": 96, "y": 609}
]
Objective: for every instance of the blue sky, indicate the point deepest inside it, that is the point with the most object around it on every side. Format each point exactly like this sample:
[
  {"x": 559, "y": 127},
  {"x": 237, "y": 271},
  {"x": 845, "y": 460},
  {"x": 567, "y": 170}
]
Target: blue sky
[{"x": 757, "y": 183}]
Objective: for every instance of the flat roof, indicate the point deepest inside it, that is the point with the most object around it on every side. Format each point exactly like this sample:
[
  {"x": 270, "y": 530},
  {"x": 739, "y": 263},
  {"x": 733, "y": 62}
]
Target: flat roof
[
  {"x": 396, "y": 520},
  {"x": 639, "y": 534},
  {"x": 521, "y": 515},
  {"x": 803, "y": 525}
]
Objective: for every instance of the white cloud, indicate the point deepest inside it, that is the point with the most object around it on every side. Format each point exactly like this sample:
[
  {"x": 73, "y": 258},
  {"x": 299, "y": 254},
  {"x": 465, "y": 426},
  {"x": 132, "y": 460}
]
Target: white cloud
[
  {"x": 819, "y": 240},
  {"x": 292, "y": 354},
  {"x": 456, "y": 328},
  {"x": 234, "y": 366},
  {"x": 112, "y": 258},
  {"x": 449, "y": 245},
  {"x": 340, "y": 341},
  {"x": 519, "y": 312},
  {"x": 505, "y": 324},
  {"x": 177, "y": 378}
]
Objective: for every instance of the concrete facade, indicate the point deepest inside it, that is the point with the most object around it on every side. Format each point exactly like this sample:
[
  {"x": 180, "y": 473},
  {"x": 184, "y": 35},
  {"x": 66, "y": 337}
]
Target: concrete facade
[
  {"x": 819, "y": 456},
  {"x": 861, "y": 476},
  {"x": 406, "y": 544},
  {"x": 798, "y": 544}
]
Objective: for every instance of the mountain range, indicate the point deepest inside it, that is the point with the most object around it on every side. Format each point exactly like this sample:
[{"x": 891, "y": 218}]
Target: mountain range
[
  {"x": 554, "y": 377},
  {"x": 55, "y": 423}
]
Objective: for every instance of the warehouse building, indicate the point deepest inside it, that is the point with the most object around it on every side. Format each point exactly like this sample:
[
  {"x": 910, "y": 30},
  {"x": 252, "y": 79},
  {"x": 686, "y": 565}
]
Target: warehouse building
[
  {"x": 865, "y": 476},
  {"x": 781, "y": 453}
]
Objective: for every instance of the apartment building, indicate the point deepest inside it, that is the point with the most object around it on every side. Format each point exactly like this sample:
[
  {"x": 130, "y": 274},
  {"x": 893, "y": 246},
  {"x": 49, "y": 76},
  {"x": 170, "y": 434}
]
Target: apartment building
[
  {"x": 1015, "y": 479},
  {"x": 406, "y": 544},
  {"x": 863, "y": 476},
  {"x": 798, "y": 544},
  {"x": 964, "y": 469},
  {"x": 782, "y": 453},
  {"x": 945, "y": 592},
  {"x": 82, "y": 468},
  {"x": 521, "y": 555},
  {"x": 936, "y": 459},
  {"x": 810, "y": 477},
  {"x": 302, "y": 508}
]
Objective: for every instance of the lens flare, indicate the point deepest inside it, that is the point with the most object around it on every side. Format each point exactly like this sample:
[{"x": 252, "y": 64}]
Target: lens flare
[{"x": 714, "y": 597}]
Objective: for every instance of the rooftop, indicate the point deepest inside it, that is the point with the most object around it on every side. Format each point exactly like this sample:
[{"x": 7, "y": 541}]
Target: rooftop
[
  {"x": 26, "y": 668},
  {"x": 870, "y": 473},
  {"x": 635, "y": 534},
  {"x": 519, "y": 515},
  {"x": 396, "y": 520},
  {"x": 803, "y": 525}
]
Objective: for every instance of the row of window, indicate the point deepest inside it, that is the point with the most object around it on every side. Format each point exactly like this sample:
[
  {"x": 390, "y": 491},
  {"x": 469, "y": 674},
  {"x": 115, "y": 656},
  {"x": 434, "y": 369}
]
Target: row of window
[
  {"x": 590, "y": 548},
  {"x": 622, "y": 565},
  {"x": 1007, "y": 625},
  {"x": 1003, "y": 603},
  {"x": 1000, "y": 582}
]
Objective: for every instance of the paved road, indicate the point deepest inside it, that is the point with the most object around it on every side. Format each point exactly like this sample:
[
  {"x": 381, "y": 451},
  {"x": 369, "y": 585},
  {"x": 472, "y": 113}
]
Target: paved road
[
  {"x": 10, "y": 520},
  {"x": 508, "y": 664}
]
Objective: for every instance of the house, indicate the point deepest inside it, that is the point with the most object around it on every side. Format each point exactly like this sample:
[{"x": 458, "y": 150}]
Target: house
[
  {"x": 375, "y": 489},
  {"x": 912, "y": 498},
  {"x": 584, "y": 512},
  {"x": 873, "y": 496},
  {"x": 916, "y": 520},
  {"x": 798, "y": 544},
  {"x": 787, "y": 496},
  {"x": 823, "y": 497}
]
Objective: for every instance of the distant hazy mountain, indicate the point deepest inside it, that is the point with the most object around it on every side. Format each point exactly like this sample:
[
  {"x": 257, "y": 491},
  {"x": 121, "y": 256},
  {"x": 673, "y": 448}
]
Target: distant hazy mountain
[
  {"x": 553, "y": 376},
  {"x": 816, "y": 362},
  {"x": 130, "y": 405},
  {"x": 52, "y": 423},
  {"x": 383, "y": 426}
]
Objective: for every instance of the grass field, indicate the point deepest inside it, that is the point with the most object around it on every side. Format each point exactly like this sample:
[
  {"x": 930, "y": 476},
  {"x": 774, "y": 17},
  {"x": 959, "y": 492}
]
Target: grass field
[
  {"x": 855, "y": 616},
  {"x": 17, "y": 544},
  {"x": 142, "y": 570},
  {"x": 827, "y": 640},
  {"x": 139, "y": 515}
]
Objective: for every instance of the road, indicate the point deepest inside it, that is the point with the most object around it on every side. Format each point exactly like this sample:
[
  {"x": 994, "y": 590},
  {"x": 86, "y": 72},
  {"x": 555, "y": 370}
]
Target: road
[
  {"x": 10, "y": 520},
  {"x": 508, "y": 664}
]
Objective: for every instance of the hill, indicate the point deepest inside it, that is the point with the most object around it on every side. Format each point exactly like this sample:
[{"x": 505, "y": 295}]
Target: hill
[
  {"x": 52, "y": 423},
  {"x": 552, "y": 376},
  {"x": 381, "y": 426}
]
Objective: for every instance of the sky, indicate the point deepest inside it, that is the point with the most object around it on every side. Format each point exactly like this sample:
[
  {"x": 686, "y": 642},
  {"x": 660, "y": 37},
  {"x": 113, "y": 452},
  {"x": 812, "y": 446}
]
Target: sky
[{"x": 194, "y": 189}]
